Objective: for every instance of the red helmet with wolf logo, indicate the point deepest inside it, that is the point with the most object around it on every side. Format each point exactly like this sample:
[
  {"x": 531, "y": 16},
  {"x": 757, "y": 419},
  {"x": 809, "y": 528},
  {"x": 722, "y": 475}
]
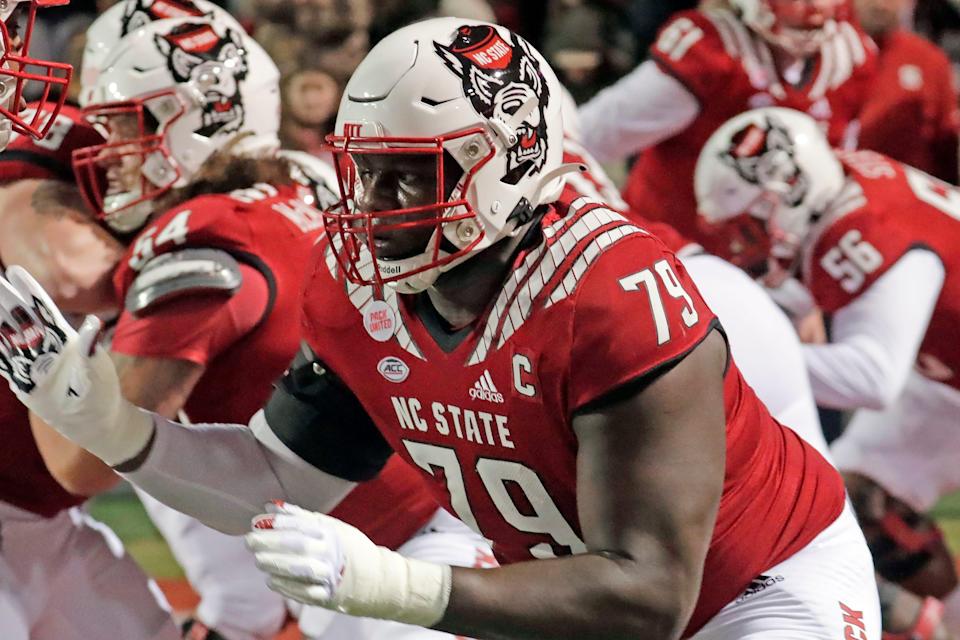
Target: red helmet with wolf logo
[{"x": 169, "y": 95}]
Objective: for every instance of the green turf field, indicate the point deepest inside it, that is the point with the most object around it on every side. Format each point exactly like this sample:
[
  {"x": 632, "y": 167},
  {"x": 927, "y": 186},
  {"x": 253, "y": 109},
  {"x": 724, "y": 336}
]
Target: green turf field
[
  {"x": 948, "y": 514},
  {"x": 122, "y": 511}
]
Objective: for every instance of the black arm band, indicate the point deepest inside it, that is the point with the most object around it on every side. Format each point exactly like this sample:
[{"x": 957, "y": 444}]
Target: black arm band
[{"x": 318, "y": 418}]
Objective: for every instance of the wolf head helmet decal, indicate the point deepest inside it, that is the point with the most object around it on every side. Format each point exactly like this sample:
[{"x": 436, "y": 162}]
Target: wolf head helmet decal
[
  {"x": 187, "y": 87},
  {"x": 216, "y": 64},
  {"x": 764, "y": 154},
  {"x": 762, "y": 180},
  {"x": 500, "y": 78}
]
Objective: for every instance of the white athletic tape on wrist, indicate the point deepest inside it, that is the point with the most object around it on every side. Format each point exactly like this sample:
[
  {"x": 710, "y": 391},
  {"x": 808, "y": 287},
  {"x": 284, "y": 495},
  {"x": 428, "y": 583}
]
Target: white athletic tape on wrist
[
  {"x": 407, "y": 590},
  {"x": 375, "y": 582}
]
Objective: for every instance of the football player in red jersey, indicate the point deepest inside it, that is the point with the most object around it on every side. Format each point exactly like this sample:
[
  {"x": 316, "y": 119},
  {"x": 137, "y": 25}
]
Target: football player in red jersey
[
  {"x": 210, "y": 282},
  {"x": 233, "y": 599},
  {"x": 43, "y": 223},
  {"x": 62, "y": 574},
  {"x": 547, "y": 365},
  {"x": 51, "y": 547},
  {"x": 875, "y": 242},
  {"x": 706, "y": 66},
  {"x": 914, "y": 92}
]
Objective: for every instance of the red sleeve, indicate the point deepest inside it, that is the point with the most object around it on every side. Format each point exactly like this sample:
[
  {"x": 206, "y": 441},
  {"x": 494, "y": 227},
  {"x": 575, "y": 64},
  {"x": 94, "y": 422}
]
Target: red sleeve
[
  {"x": 49, "y": 158},
  {"x": 195, "y": 328},
  {"x": 636, "y": 310},
  {"x": 689, "y": 48}
]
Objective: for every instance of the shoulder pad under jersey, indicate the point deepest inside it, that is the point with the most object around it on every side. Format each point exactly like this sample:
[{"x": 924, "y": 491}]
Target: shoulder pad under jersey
[{"x": 171, "y": 275}]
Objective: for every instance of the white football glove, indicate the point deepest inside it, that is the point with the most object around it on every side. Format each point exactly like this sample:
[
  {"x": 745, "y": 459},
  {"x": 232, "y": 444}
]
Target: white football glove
[
  {"x": 319, "y": 560},
  {"x": 63, "y": 376}
]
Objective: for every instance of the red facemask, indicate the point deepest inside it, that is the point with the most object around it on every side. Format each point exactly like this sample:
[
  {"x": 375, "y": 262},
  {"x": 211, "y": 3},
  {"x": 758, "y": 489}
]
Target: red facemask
[
  {"x": 350, "y": 229},
  {"x": 21, "y": 74}
]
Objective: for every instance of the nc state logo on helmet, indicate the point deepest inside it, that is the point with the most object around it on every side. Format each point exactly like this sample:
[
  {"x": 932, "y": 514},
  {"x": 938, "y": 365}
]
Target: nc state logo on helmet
[
  {"x": 169, "y": 95},
  {"x": 760, "y": 181},
  {"x": 502, "y": 78},
  {"x": 797, "y": 26},
  {"x": 105, "y": 32},
  {"x": 21, "y": 74},
  {"x": 474, "y": 93}
]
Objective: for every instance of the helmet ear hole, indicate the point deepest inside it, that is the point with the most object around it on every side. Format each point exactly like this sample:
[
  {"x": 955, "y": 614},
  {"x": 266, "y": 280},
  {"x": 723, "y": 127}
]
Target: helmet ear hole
[
  {"x": 150, "y": 122},
  {"x": 452, "y": 174}
]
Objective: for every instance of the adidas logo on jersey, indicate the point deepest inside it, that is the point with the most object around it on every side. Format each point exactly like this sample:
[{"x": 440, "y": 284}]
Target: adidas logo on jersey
[
  {"x": 484, "y": 389},
  {"x": 758, "y": 584}
]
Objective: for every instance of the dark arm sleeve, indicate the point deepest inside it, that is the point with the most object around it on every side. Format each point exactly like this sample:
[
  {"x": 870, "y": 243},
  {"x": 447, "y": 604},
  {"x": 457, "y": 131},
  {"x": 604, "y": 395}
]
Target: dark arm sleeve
[{"x": 314, "y": 414}]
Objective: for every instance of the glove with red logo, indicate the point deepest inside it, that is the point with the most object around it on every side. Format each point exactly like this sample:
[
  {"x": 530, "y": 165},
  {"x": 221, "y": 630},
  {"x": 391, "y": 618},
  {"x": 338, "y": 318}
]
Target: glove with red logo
[
  {"x": 63, "y": 376},
  {"x": 319, "y": 560}
]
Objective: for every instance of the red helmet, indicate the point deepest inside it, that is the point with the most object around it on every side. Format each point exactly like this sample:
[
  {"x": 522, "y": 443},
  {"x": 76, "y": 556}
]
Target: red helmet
[{"x": 19, "y": 71}]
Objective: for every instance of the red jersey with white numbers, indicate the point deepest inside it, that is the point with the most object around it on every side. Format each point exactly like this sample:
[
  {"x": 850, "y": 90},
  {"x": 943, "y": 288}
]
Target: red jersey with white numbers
[
  {"x": 913, "y": 92},
  {"x": 729, "y": 69},
  {"x": 272, "y": 230},
  {"x": 596, "y": 304},
  {"x": 48, "y": 158},
  {"x": 885, "y": 210}
]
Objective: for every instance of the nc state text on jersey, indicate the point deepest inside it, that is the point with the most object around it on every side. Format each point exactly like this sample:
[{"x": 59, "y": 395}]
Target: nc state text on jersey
[{"x": 451, "y": 421}]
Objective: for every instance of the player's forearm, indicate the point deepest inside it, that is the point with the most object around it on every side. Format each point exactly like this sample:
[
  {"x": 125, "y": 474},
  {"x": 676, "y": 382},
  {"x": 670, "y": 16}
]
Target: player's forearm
[
  {"x": 876, "y": 337},
  {"x": 240, "y": 470},
  {"x": 579, "y": 597},
  {"x": 854, "y": 374},
  {"x": 76, "y": 469}
]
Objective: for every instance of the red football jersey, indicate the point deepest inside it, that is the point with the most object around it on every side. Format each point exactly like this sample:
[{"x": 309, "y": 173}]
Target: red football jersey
[
  {"x": 730, "y": 70},
  {"x": 597, "y": 304},
  {"x": 25, "y": 481},
  {"x": 911, "y": 113},
  {"x": 888, "y": 209},
  {"x": 273, "y": 231},
  {"x": 48, "y": 158}
]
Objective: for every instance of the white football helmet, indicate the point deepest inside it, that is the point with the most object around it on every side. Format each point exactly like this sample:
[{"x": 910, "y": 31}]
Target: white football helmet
[
  {"x": 105, "y": 32},
  {"x": 18, "y": 71},
  {"x": 797, "y": 26},
  {"x": 193, "y": 85},
  {"x": 473, "y": 91},
  {"x": 761, "y": 180}
]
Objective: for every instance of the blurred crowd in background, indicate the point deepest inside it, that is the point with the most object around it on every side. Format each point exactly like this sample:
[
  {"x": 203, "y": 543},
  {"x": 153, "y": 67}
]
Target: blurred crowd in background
[{"x": 591, "y": 43}]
